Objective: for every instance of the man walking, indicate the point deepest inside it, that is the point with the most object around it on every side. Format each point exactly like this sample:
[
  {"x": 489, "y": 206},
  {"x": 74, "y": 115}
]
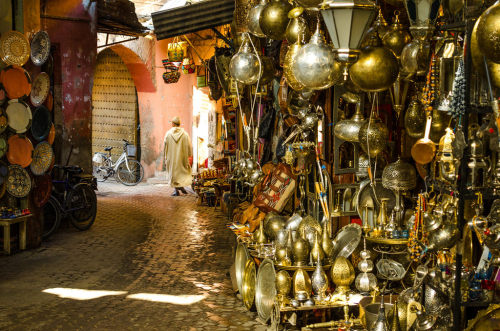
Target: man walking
[{"x": 177, "y": 153}]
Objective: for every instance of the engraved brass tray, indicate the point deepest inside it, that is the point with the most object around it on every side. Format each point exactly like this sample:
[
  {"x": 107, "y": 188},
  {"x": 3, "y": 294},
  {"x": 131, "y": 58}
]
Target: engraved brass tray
[
  {"x": 240, "y": 260},
  {"x": 265, "y": 290},
  {"x": 248, "y": 284},
  {"x": 14, "y": 48}
]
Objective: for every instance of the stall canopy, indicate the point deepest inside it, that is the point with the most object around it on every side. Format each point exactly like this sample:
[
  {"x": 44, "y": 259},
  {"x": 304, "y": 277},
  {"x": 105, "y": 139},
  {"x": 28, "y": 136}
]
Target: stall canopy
[
  {"x": 192, "y": 18},
  {"x": 119, "y": 17}
]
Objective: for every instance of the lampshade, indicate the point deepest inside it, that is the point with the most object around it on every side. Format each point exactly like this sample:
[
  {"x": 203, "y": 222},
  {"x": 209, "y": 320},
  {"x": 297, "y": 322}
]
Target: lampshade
[
  {"x": 347, "y": 22},
  {"x": 422, "y": 13}
]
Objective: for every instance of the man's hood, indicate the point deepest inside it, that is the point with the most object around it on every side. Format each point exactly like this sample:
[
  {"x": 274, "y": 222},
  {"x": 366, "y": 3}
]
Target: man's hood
[{"x": 176, "y": 133}]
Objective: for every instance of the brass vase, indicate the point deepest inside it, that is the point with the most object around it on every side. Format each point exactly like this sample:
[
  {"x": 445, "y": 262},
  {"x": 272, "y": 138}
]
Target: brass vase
[
  {"x": 319, "y": 281},
  {"x": 326, "y": 242},
  {"x": 261, "y": 236},
  {"x": 342, "y": 274},
  {"x": 373, "y": 136},
  {"x": 317, "y": 250},
  {"x": 415, "y": 119},
  {"x": 297, "y": 26},
  {"x": 273, "y": 19},
  {"x": 397, "y": 37},
  {"x": 300, "y": 252},
  {"x": 377, "y": 68}
]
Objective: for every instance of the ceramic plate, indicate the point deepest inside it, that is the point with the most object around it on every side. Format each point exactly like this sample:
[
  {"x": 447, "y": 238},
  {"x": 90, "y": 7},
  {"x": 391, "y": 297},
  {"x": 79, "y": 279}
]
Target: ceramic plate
[
  {"x": 18, "y": 182},
  {"x": 14, "y": 48},
  {"x": 18, "y": 116},
  {"x": 16, "y": 81},
  {"x": 40, "y": 48},
  {"x": 42, "y": 158},
  {"x": 20, "y": 151},
  {"x": 42, "y": 121},
  {"x": 40, "y": 89}
]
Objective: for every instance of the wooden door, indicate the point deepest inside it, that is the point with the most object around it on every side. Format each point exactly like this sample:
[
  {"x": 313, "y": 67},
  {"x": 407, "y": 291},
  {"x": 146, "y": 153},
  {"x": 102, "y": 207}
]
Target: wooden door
[{"x": 114, "y": 101}]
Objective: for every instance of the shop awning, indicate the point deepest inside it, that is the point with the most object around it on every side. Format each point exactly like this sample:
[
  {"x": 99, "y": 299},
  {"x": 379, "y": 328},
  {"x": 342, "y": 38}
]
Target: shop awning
[
  {"x": 118, "y": 17},
  {"x": 192, "y": 18}
]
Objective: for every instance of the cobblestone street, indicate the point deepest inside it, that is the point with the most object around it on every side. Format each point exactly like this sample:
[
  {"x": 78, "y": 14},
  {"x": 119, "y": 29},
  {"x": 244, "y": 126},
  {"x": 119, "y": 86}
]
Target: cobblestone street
[{"x": 164, "y": 259}]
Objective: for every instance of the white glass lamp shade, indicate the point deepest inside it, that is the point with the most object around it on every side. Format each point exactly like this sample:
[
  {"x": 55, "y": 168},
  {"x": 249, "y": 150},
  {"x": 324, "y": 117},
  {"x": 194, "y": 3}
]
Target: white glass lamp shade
[
  {"x": 347, "y": 22},
  {"x": 422, "y": 13}
]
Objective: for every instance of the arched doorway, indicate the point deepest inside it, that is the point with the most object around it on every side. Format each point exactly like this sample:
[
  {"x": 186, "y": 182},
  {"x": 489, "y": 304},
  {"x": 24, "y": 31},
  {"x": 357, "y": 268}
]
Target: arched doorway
[{"x": 115, "y": 113}]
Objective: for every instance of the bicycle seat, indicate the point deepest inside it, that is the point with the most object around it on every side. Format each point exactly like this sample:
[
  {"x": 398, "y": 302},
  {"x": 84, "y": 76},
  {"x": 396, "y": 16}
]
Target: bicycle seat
[{"x": 107, "y": 149}]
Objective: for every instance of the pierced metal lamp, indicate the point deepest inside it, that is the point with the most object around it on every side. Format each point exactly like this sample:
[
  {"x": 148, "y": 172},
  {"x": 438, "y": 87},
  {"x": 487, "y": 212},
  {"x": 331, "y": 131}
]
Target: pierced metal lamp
[
  {"x": 347, "y": 22},
  {"x": 422, "y": 15}
]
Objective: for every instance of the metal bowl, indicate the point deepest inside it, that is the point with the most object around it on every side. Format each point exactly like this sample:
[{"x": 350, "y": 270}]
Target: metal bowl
[
  {"x": 248, "y": 284},
  {"x": 265, "y": 290},
  {"x": 240, "y": 261},
  {"x": 346, "y": 241}
]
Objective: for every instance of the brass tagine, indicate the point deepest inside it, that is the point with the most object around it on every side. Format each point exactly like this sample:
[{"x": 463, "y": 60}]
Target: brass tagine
[
  {"x": 273, "y": 19},
  {"x": 297, "y": 26},
  {"x": 397, "y": 37},
  {"x": 342, "y": 274}
]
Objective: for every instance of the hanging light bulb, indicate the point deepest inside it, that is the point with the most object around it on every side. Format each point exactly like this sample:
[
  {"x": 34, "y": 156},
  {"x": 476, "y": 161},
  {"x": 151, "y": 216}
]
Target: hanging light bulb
[{"x": 245, "y": 66}]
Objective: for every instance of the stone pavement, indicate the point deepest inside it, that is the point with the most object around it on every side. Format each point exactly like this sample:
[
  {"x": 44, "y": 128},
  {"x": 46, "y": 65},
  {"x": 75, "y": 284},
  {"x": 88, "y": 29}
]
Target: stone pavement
[{"x": 164, "y": 258}]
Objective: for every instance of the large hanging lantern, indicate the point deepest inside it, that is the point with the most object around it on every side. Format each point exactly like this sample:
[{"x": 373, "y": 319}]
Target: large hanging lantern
[
  {"x": 347, "y": 22},
  {"x": 315, "y": 66},
  {"x": 422, "y": 15},
  {"x": 245, "y": 66},
  {"x": 273, "y": 19}
]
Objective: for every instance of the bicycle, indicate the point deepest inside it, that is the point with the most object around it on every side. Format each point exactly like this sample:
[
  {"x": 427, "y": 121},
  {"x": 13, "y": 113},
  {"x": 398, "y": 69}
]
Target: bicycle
[
  {"x": 73, "y": 196},
  {"x": 128, "y": 170}
]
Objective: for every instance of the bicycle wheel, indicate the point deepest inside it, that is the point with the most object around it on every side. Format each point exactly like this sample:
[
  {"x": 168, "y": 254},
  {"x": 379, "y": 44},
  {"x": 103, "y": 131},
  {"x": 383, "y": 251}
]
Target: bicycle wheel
[
  {"x": 132, "y": 175},
  {"x": 51, "y": 217},
  {"x": 82, "y": 206},
  {"x": 100, "y": 173}
]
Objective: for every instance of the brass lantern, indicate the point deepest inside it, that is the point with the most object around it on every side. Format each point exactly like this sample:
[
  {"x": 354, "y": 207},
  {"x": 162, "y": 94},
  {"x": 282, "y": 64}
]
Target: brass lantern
[
  {"x": 342, "y": 274},
  {"x": 422, "y": 15},
  {"x": 347, "y": 22}
]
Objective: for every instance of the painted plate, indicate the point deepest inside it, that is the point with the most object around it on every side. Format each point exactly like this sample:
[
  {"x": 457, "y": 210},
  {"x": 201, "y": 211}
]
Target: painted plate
[
  {"x": 41, "y": 190},
  {"x": 42, "y": 158},
  {"x": 42, "y": 121},
  {"x": 14, "y": 48},
  {"x": 20, "y": 151},
  {"x": 40, "y": 89},
  {"x": 40, "y": 48},
  {"x": 18, "y": 182},
  {"x": 4, "y": 122},
  {"x": 18, "y": 116},
  {"x": 52, "y": 134},
  {"x": 16, "y": 81}
]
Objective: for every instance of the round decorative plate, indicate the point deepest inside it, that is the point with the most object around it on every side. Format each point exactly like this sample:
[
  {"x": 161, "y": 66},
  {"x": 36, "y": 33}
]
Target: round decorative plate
[
  {"x": 240, "y": 260},
  {"x": 20, "y": 151},
  {"x": 14, "y": 48},
  {"x": 3, "y": 146},
  {"x": 40, "y": 48},
  {"x": 42, "y": 158},
  {"x": 4, "y": 122},
  {"x": 52, "y": 134},
  {"x": 18, "y": 116},
  {"x": 346, "y": 241},
  {"x": 40, "y": 126},
  {"x": 16, "y": 81},
  {"x": 248, "y": 284},
  {"x": 18, "y": 182},
  {"x": 40, "y": 89},
  {"x": 41, "y": 190},
  {"x": 265, "y": 289}
]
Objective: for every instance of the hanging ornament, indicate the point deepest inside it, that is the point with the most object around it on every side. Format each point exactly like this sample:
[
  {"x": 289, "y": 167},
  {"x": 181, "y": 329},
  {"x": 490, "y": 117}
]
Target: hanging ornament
[
  {"x": 245, "y": 66},
  {"x": 477, "y": 59},
  {"x": 397, "y": 37},
  {"x": 253, "y": 19},
  {"x": 488, "y": 33},
  {"x": 373, "y": 136},
  {"x": 273, "y": 19},
  {"x": 297, "y": 27},
  {"x": 457, "y": 104}
]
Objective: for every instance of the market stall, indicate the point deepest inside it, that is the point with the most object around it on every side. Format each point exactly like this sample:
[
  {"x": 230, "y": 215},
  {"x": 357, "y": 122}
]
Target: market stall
[{"x": 366, "y": 180}]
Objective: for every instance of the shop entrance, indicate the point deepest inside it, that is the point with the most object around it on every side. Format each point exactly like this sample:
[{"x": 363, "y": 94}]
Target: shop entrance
[
  {"x": 115, "y": 113},
  {"x": 203, "y": 110}
]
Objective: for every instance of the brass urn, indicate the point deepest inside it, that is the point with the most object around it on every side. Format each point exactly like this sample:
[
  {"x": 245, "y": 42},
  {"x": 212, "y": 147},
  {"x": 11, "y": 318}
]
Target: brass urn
[
  {"x": 297, "y": 26},
  {"x": 488, "y": 33},
  {"x": 414, "y": 120},
  {"x": 342, "y": 274},
  {"x": 273, "y": 19},
  {"x": 373, "y": 136},
  {"x": 478, "y": 61},
  {"x": 397, "y": 37},
  {"x": 377, "y": 68},
  {"x": 300, "y": 252},
  {"x": 302, "y": 286}
]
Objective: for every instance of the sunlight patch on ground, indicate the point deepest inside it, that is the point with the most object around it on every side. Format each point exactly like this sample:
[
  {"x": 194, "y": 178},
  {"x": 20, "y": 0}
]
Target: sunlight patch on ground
[
  {"x": 80, "y": 294},
  {"x": 174, "y": 299}
]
